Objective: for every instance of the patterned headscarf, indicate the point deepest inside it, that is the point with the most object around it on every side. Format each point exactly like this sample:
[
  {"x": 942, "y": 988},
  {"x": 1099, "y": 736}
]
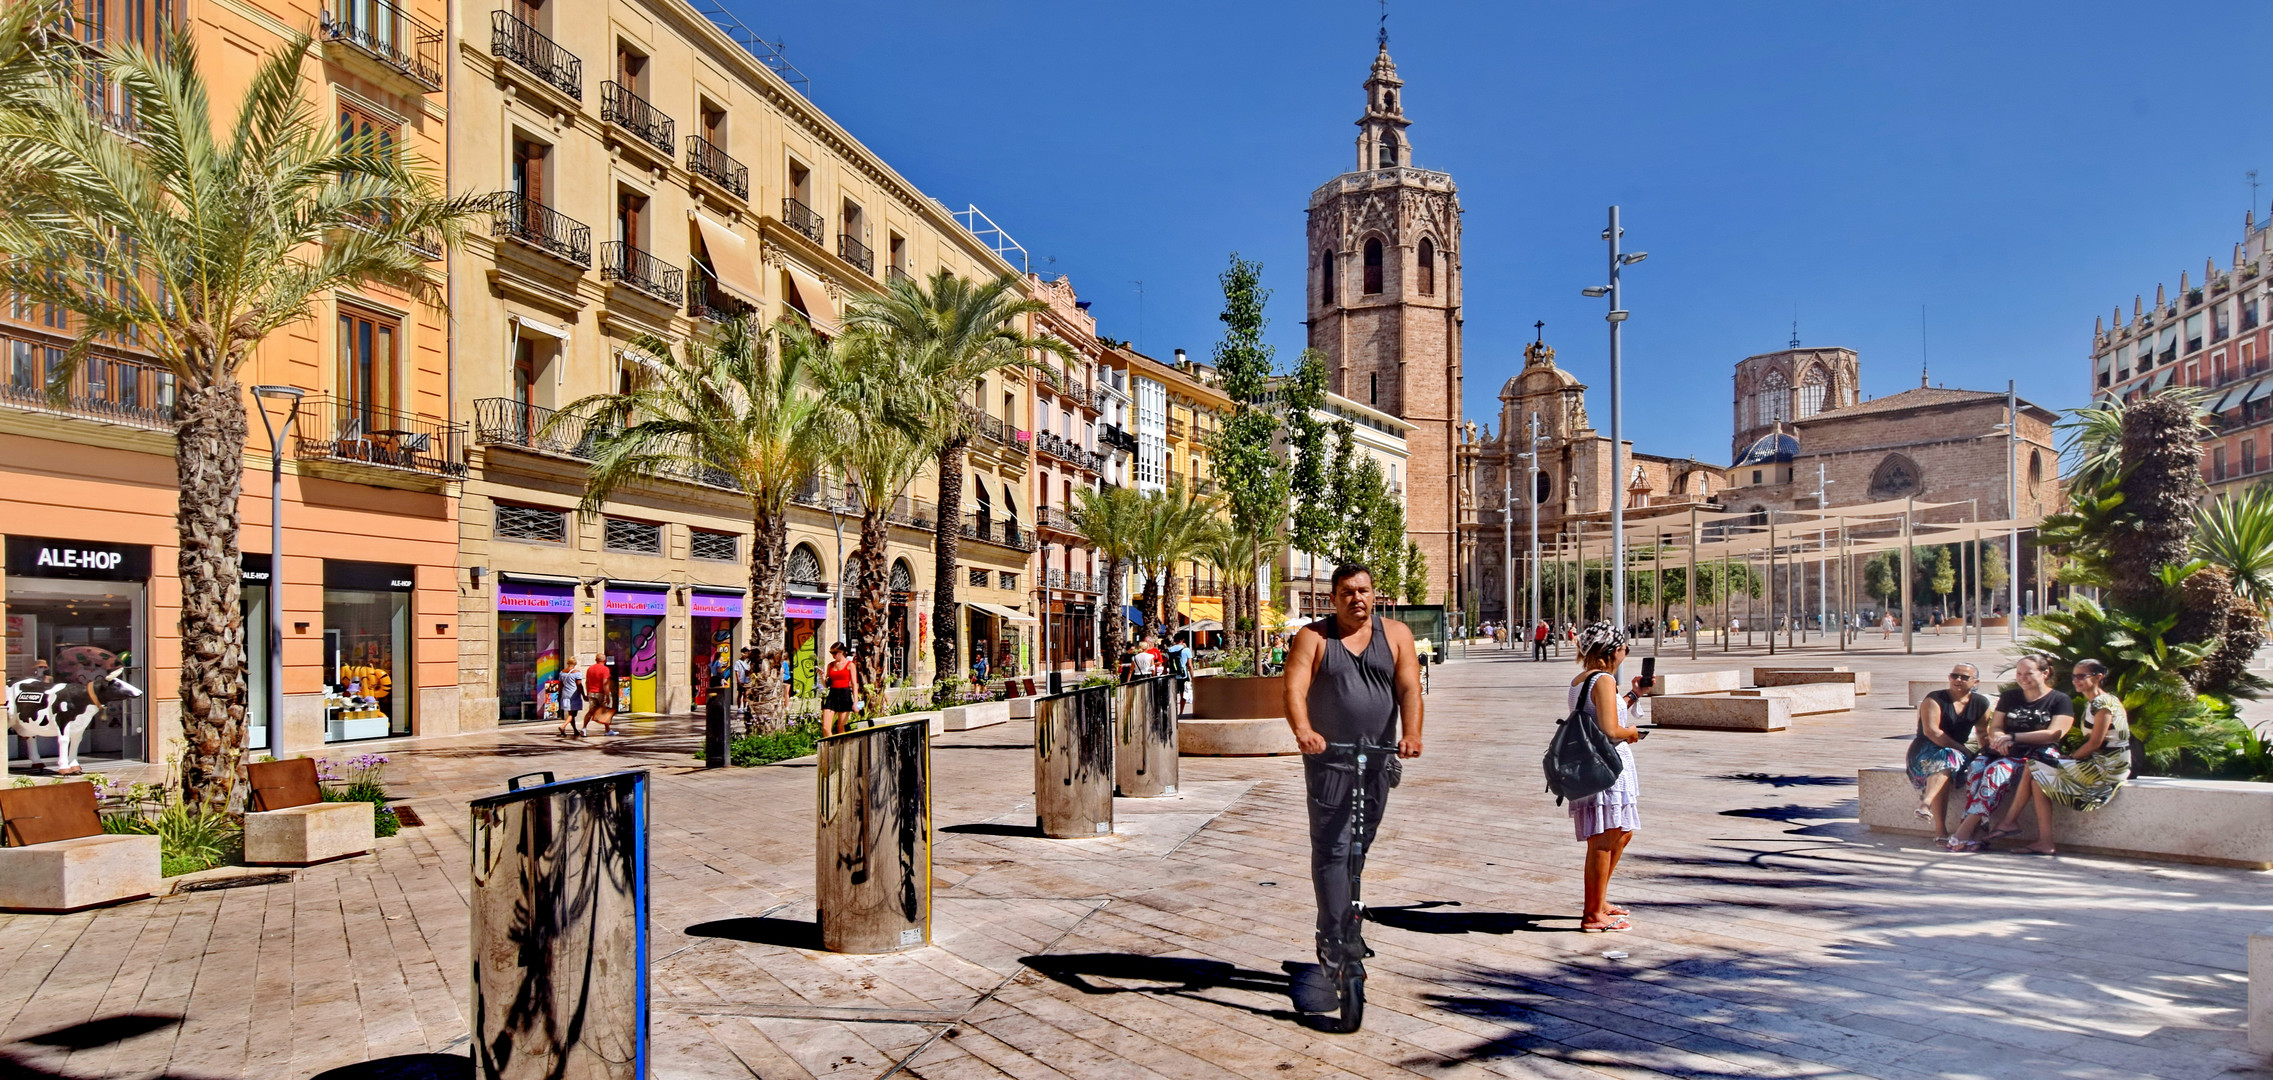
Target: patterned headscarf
[{"x": 1600, "y": 639}]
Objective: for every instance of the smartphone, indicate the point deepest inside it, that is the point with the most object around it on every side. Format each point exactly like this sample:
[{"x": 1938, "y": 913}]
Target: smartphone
[{"x": 1649, "y": 672}]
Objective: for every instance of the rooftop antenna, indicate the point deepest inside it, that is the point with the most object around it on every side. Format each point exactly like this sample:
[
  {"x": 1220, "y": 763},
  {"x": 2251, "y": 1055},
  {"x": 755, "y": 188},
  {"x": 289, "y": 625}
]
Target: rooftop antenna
[
  {"x": 1921, "y": 346},
  {"x": 2252, "y": 178},
  {"x": 1795, "y": 326}
]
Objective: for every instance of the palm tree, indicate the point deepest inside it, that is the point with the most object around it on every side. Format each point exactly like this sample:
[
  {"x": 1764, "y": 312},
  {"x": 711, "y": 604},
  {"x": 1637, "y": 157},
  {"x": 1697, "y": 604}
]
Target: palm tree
[
  {"x": 949, "y": 333},
  {"x": 1171, "y": 526},
  {"x": 872, "y": 394},
  {"x": 200, "y": 240},
  {"x": 1235, "y": 554},
  {"x": 2236, "y": 535},
  {"x": 734, "y": 407},
  {"x": 1108, "y": 518}
]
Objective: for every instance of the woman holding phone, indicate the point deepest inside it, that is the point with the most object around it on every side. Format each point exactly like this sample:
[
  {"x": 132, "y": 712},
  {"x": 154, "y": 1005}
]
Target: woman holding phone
[{"x": 1605, "y": 822}]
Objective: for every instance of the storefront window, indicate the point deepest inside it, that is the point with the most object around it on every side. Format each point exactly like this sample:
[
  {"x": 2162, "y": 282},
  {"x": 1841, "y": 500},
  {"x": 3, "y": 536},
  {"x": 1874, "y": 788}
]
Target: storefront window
[
  {"x": 81, "y": 609},
  {"x": 634, "y": 648},
  {"x": 253, "y": 578},
  {"x": 717, "y": 620},
  {"x": 368, "y": 688},
  {"x": 532, "y": 620}
]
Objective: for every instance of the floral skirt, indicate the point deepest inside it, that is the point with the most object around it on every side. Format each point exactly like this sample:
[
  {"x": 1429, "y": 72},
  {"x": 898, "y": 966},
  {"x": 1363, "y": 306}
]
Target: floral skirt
[
  {"x": 1928, "y": 760},
  {"x": 2084, "y": 783},
  {"x": 1987, "y": 781}
]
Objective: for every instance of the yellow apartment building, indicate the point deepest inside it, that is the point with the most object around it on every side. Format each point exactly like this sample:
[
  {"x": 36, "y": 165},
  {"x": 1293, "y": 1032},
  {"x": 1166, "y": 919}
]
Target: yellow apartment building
[
  {"x": 1176, "y": 411},
  {"x": 373, "y": 464},
  {"x": 1075, "y": 449},
  {"x": 651, "y": 176}
]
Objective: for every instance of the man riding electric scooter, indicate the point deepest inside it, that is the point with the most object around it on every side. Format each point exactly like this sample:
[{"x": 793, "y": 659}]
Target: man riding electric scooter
[{"x": 1351, "y": 680}]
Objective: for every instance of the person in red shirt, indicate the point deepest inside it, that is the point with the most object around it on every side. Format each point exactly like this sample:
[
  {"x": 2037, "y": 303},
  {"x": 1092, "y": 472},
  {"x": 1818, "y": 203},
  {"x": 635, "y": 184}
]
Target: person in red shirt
[
  {"x": 841, "y": 682},
  {"x": 600, "y": 697}
]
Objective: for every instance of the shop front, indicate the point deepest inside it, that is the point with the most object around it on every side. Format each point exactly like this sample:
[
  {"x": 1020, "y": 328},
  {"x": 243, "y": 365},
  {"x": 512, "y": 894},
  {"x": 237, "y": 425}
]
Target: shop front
[
  {"x": 805, "y": 616},
  {"x": 534, "y": 613},
  {"x": 1000, "y": 634},
  {"x": 631, "y": 635},
  {"x": 369, "y": 688},
  {"x": 253, "y": 593},
  {"x": 82, "y": 607},
  {"x": 717, "y": 615}
]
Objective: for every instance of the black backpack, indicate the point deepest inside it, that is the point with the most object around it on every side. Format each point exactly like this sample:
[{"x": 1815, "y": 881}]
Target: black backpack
[{"x": 1581, "y": 761}]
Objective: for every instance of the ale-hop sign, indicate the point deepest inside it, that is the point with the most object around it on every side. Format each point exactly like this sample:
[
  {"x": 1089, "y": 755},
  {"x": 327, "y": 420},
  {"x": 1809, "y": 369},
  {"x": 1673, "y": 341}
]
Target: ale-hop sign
[{"x": 48, "y": 557}]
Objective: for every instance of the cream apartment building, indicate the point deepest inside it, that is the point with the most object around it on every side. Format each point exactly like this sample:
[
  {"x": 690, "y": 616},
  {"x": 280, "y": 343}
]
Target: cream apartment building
[{"x": 651, "y": 176}]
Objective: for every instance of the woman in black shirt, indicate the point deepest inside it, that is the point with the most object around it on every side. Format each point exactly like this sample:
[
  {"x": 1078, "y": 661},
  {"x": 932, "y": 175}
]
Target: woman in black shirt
[
  {"x": 1946, "y": 721},
  {"x": 2027, "y": 722}
]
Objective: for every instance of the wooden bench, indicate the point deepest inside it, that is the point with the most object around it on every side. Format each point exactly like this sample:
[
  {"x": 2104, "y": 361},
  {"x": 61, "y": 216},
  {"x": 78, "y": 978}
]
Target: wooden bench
[
  {"x": 59, "y": 858},
  {"x": 2213, "y": 822},
  {"x": 288, "y": 823}
]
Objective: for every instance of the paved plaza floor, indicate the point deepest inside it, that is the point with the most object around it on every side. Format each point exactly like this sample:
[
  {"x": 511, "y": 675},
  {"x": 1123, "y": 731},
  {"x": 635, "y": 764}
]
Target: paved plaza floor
[{"x": 1773, "y": 936}]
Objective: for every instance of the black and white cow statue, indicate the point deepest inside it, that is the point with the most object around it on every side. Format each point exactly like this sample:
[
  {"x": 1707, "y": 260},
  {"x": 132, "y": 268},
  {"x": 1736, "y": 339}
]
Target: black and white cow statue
[{"x": 41, "y": 709}]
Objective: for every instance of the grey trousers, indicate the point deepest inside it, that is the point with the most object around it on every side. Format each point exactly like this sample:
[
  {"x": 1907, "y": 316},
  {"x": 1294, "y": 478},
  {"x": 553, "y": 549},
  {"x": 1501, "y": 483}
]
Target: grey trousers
[{"x": 1331, "y": 783}]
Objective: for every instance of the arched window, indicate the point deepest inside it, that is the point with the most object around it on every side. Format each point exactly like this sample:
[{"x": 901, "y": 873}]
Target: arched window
[
  {"x": 1543, "y": 488},
  {"x": 1389, "y": 100},
  {"x": 805, "y": 568},
  {"x": 1388, "y": 149},
  {"x": 1895, "y": 477},
  {"x": 902, "y": 580},
  {"x": 1326, "y": 276},
  {"x": 852, "y": 570},
  {"x": 1775, "y": 399},
  {"x": 1428, "y": 267},
  {"x": 1811, "y": 389},
  {"x": 1373, "y": 266},
  {"x": 2035, "y": 468}
]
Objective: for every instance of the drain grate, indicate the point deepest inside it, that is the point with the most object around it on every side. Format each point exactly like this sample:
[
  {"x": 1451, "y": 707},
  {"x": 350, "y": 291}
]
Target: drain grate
[
  {"x": 241, "y": 881},
  {"x": 407, "y": 816}
]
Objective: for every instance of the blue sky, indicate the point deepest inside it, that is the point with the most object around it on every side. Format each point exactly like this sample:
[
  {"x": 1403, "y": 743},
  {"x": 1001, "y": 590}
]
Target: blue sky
[{"x": 2016, "y": 168}]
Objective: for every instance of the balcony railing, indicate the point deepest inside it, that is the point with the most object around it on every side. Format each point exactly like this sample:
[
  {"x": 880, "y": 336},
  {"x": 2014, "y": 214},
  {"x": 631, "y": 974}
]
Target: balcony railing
[
  {"x": 1055, "y": 517},
  {"x": 1203, "y": 586},
  {"x": 915, "y": 513},
  {"x": 705, "y": 159},
  {"x": 338, "y": 429},
  {"x": 894, "y": 273},
  {"x": 801, "y": 217},
  {"x": 618, "y": 105},
  {"x": 1002, "y": 533},
  {"x": 512, "y": 39},
  {"x": 622, "y": 262},
  {"x": 707, "y": 301},
  {"x": 519, "y": 217},
  {"x": 1175, "y": 428},
  {"x": 1070, "y": 580},
  {"x": 985, "y": 425},
  {"x": 856, "y": 253},
  {"x": 118, "y": 391},
  {"x": 391, "y": 35},
  {"x": 506, "y": 422}
]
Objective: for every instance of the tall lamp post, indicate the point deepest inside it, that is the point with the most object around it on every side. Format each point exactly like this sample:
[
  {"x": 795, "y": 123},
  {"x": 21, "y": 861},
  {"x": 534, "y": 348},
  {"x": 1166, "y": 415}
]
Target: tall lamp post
[
  {"x": 1531, "y": 515},
  {"x": 273, "y": 706},
  {"x": 1617, "y": 320}
]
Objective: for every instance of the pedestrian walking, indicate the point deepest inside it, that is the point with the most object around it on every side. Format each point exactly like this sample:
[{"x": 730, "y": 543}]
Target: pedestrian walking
[
  {"x": 839, "y": 683},
  {"x": 599, "y": 697},
  {"x": 1180, "y": 666},
  {"x": 1351, "y": 678},
  {"x": 1539, "y": 641},
  {"x": 1605, "y": 823}
]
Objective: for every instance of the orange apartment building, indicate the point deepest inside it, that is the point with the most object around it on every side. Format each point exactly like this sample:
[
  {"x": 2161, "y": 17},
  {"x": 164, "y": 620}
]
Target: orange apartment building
[{"x": 87, "y": 484}]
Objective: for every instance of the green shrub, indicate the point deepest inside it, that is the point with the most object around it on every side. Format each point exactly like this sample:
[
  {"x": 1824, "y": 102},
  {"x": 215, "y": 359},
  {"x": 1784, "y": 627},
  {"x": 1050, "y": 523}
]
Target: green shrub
[
  {"x": 765, "y": 748},
  {"x": 189, "y": 839}
]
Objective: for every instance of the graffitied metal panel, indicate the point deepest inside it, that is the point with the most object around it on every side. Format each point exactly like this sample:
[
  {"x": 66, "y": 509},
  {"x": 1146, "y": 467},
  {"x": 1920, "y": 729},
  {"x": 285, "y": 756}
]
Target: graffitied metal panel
[
  {"x": 872, "y": 846},
  {"x": 1144, "y": 738},
  {"x": 559, "y": 930},
  {"x": 1073, "y": 763}
]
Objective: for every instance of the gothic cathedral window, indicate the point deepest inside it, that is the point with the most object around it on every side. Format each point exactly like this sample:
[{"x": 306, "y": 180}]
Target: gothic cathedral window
[
  {"x": 1326, "y": 277},
  {"x": 1811, "y": 387},
  {"x": 1373, "y": 266},
  {"x": 1428, "y": 267}
]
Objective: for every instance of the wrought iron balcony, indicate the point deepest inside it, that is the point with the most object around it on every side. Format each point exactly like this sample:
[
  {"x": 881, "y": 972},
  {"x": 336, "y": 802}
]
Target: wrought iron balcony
[
  {"x": 914, "y": 513},
  {"x": 894, "y": 273},
  {"x": 1000, "y": 533},
  {"x": 329, "y": 428},
  {"x": 507, "y": 422},
  {"x": 517, "y": 41},
  {"x": 705, "y": 159},
  {"x": 618, "y": 105},
  {"x": 707, "y": 301},
  {"x": 801, "y": 217},
  {"x": 985, "y": 425},
  {"x": 1071, "y": 581},
  {"x": 1055, "y": 518},
  {"x": 622, "y": 262},
  {"x": 106, "y": 389},
  {"x": 1203, "y": 586},
  {"x": 1176, "y": 428},
  {"x": 389, "y": 34},
  {"x": 516, "y": 216},
  {"x": 856, "y": 253}
]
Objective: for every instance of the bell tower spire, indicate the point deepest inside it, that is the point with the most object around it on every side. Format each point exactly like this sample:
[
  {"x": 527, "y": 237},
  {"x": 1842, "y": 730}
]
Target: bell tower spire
[{"x": 1381, "y": 141}]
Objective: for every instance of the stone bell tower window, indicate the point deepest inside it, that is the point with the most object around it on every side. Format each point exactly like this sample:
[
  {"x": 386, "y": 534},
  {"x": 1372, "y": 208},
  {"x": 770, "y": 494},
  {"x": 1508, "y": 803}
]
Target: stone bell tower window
[
  {"x": 1428, "y": 267},
  {"x": 1326, "y": 276},
  {"x": 1388, "y": 149},
  {"x": 1372, "y": 266}
]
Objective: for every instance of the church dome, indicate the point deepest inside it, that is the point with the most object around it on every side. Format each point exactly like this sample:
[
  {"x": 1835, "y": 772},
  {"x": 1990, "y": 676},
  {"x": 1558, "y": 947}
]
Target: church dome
[{"x": 1774, "y": 447}]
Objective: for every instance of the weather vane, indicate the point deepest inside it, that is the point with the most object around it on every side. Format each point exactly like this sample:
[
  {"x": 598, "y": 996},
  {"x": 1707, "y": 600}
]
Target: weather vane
[{"x": 1384, "y": 24}]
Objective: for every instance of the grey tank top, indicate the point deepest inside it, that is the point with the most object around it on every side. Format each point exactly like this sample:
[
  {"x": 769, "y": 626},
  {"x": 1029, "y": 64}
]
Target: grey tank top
[{"x": 1353, "y": 696}]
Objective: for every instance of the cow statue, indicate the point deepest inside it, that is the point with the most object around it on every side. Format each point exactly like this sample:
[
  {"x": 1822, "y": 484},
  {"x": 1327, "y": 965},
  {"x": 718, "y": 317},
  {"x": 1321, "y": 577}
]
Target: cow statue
[{"x": 40, "y": 709}]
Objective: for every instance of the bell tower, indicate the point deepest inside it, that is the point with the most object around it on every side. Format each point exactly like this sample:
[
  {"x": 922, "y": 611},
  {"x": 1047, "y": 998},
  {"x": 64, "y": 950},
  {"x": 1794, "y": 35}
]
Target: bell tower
[{"x": 1384, "y": 307}]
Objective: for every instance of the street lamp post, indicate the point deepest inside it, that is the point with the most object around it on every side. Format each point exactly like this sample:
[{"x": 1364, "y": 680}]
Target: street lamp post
[
  {"x": 1617, "y": 320},
  {"x": 2012, "y": 506},
  {"x": 273, "y": 705},
  {"x": 1507, "y": 556},
  {"x": 1531, "y": 514}
]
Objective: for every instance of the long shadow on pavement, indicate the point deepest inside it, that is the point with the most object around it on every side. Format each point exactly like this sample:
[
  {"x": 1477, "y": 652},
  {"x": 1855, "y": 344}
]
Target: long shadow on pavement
[
  {"x": 1173, "y": 976},
  {"x": 1423, "y": 918},
  {"x": 763, "y": 930}
]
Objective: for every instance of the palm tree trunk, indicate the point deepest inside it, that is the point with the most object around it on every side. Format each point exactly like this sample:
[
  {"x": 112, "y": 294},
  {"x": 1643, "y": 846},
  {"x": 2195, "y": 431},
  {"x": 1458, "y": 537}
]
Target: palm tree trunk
[
  {"x": 1115, "y": 628},
  {"x": 868, "y": 651},
  {"x": 1148, "y": 602},
  {"x": 1169, "y": 595},
  {"x": 769, "y": 629},
  {"x": 950, "y": 536},
  {"x": 209, "y": 462}
]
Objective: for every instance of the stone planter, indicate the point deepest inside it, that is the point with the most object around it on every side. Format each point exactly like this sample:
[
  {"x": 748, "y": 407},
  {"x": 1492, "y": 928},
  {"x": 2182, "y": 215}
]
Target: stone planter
[
  {"x": 1237, "y": 716},
  {"x": 1239, "y": 697}
]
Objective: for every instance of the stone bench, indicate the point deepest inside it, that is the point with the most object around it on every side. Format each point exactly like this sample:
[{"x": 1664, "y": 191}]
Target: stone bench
[
  {"x": 1808, "y": 699},
  {"x": 1860, "y": 680},
  {"x": 1721, "y": 712},
  {"x": 287, "y": 823},
  {"x": 2261, "y": 991},
  {"x": 1251, "y": 737},
  {"x": 979, "y": 715},
  {"x": 2213, "y": 822},
  {"x": 59, "y": 858},
  {"x": 1670, "y": 683}
]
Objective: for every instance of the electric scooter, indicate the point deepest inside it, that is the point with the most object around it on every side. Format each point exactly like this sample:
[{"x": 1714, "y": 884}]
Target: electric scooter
[{"x": 1349, "y": 974}]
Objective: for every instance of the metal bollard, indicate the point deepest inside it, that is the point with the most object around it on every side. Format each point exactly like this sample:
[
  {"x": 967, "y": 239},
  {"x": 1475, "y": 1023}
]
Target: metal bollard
[
  {"x": 559, "y": 929},
  {"x": 1073, "y": 764},
  {"x": 872, "y": 850},
  {"x": 1145, "y": 759}
]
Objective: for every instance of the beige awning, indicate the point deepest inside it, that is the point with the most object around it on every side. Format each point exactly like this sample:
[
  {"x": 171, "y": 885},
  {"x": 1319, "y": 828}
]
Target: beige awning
[
  {"x": 815, "y": 297},
  {"x": 1000, "y": 612},
  {"x": 730, "y": 260}
]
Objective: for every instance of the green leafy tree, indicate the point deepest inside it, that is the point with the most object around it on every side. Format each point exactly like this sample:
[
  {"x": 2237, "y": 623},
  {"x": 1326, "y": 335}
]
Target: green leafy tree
[
  {"x": 199, "y": 237},
  {"x": 1111, "y": 519},
  {"x": 732, "y": 406},
  {"x": 1944, "y": 577},
  {"x": 1171, "y": 526},
  {"x": 947, "y": 333},
  {"x": 1385, "y": 550},
  {"x": 1416, "y": 574},
  {"x": 1310, "y": 464},
  {"x": 872, "y": 392},
  {"x": 1882, "y": 577},
  {"x": 1993, "y": 574},
  {"x": 1254, "y": 478}
]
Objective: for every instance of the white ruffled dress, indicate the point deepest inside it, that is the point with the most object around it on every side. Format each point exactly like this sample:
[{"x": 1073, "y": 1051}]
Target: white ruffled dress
[{"x": 1621, "y": 806}]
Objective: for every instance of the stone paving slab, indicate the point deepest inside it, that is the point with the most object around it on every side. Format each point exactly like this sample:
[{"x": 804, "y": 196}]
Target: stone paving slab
[{"x": 1774, "y": 937}]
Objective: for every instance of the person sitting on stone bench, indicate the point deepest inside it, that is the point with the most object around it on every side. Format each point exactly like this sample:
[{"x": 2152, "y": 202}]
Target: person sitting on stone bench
[
  {"x": 1947, "y": 721},
  {"x": 2027, "y": 722},
  {"x": 2087, "y": 767}
]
